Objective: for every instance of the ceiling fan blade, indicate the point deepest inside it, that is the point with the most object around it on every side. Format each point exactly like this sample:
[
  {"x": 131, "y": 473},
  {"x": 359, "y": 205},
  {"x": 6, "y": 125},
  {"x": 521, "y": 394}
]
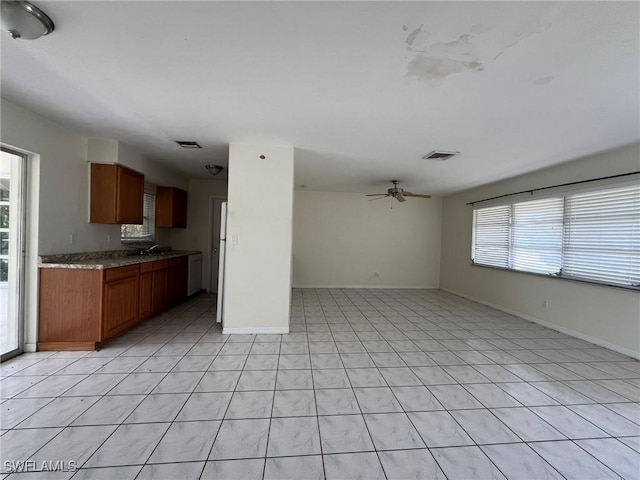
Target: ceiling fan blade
[
  {"x": 419, "y": 195},
  {"x": 376, "y": 194},
  {"x": 400, "y": 198},
  {"x": 372, "y": 199}
]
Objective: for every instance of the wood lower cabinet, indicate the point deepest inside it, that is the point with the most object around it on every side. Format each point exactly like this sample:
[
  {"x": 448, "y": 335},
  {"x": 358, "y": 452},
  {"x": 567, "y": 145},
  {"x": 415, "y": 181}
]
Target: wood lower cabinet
[
  {"x": 121, "y": 309},
  {"x": 159, "y": 300},
  {"x": 177, "y": 279},
  {"x": 146, "y": 290},
  {"x": 82, "y": 308},
  {"x": 70, "y": 309}
]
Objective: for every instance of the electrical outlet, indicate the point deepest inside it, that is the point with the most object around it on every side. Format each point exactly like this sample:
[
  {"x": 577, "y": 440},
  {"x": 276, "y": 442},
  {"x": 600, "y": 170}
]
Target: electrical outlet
[
  {"x": 108, "y": 238},
  {"x": 72, "y": 239},
  {"x": 546, "y": 304}
]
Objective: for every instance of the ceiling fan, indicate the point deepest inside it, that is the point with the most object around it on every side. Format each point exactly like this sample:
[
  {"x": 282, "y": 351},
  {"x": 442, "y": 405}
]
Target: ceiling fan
[{"x": 397, "y": 193}]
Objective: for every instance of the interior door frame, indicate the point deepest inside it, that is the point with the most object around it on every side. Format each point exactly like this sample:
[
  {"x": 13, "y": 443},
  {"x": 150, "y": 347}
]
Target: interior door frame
[
  {"x": 208, "y": 257},
  {"x": 21, "y": 248}
]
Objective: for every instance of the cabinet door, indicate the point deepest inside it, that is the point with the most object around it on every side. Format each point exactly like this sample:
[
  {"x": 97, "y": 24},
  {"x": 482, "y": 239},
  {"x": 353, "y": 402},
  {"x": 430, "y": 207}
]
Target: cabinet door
[
  {"x": 180, "y": 209},
  {"x": 183, "y": 278},
  {"x": 164, "y": 207},
  {"x": 129, "y": 202},
  {"x": 177, "y": 281},
  {"x": 171, "y": 207},
  {"x": 159, "y": 296},
  {"x": 146, "y": 282},
  {"x": 103, "y": 193},
  {"x": 120, "y": 305}
]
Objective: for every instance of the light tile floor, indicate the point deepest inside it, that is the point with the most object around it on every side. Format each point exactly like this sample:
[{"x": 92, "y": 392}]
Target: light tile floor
[{"x": 372, "y": 384}]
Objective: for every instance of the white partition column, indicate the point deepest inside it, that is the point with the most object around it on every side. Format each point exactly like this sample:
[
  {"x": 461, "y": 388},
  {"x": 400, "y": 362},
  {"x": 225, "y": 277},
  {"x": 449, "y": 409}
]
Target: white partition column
[{"x": 257, "y": 292}]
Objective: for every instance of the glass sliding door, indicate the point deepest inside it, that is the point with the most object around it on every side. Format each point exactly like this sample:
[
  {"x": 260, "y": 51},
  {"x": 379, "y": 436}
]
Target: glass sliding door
[{"x": 12, "y": 209}]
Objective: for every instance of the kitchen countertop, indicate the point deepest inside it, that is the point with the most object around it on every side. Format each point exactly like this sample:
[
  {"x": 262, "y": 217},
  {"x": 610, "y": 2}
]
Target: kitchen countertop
[{"x": 103, "y": 260}]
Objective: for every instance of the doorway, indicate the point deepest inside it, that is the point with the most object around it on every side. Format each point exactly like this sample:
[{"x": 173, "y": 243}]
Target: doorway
[
  {"x": 215, "y": 207},
  {"x": 12, "y": 215}
]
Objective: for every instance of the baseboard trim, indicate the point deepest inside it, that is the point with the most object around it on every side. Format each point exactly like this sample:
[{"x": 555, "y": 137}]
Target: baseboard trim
[
  {"x": 30, "y": 348},
  {"x": 424, "y": 287},
  {"x": 574, "y": 333},
  {"x": 254, "y": 330}
]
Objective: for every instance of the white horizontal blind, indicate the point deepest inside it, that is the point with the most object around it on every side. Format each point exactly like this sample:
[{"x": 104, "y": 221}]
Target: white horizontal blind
[
  {"x": 602, "y": 236},
  {"x": 590, "y": 235},
  {"x": 491, "y": 236},
  {"x": 149, "y": 215},
  {"x": 536, "y": 236},
  {"x": 146, "y": 231}
]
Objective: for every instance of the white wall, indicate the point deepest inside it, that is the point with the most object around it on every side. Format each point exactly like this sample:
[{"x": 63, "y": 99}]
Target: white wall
[
  {"x": 112, "y": 151},
  {"x": 58, "y": 194},
  {"x": 608, "y": 315},
  {"x": 154, "y": 172},
  {"x": 197, "y": 234},
  {"x": 342, "y": 240},
  {"x": 61, "y": 166},
  {"x": 258, "y": 271}
]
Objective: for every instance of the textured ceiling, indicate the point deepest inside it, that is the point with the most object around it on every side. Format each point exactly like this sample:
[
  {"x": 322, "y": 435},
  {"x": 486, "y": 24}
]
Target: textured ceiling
[{"x": 361, "y": 89}]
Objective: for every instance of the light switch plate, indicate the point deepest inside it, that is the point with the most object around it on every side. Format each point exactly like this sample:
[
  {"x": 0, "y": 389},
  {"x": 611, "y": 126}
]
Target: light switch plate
[{"x": 234, "y": 239}]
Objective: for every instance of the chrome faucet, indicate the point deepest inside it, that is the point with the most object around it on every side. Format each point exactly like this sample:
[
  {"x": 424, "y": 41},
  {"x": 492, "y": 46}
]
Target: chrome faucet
[{"x": 152, "y": 248}]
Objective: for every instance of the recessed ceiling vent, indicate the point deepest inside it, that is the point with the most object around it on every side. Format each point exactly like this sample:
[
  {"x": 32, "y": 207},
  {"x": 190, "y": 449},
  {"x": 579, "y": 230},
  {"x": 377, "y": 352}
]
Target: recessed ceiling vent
[
  {"x": 439, "y": 155},
  {"x": 184, "y": 144}
]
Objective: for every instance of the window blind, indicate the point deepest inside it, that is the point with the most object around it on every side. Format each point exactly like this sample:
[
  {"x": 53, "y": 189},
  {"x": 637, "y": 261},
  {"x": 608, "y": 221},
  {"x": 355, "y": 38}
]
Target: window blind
[
  {"x": 149, "y": 215},
  {"x": 536, "y": 236},
  {"x": 591, "y": 235},
  {"x": 491, "y": 236},
  {"x": 602, "y": 236}
]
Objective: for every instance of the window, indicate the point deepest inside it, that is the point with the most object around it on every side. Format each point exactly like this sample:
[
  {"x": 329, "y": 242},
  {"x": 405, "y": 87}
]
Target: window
[
  {"x": 146, "y": 231},
  {"x": 602, "y": 236},
  {"x": 590, "y": 235},
  {"x": 491, "y": 236},
  {"x": 5, "y": 208},
  {"x": 536, "y": 235}
]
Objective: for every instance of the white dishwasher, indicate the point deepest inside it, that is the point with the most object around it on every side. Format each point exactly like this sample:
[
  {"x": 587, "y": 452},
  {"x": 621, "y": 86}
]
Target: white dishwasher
[{"x": 195, "y": 274}]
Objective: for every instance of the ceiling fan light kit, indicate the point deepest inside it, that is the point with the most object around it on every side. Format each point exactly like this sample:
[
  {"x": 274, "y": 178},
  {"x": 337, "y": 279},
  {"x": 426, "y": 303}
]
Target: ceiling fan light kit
[{"x": 398, "y": 193}]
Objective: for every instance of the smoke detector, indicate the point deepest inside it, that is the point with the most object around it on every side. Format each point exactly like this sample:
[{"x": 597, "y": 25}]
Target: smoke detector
[{"x": 439, "y": 155}]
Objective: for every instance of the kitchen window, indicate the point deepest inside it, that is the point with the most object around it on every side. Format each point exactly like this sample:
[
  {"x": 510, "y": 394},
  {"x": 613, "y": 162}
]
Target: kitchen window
[
  {"x": 145, "y": 232},
  {"x": 590, "y": 235}
]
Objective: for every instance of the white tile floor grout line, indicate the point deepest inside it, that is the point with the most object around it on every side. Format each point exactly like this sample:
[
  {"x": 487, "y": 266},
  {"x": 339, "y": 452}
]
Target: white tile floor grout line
[{"x": 443, "y": 347}]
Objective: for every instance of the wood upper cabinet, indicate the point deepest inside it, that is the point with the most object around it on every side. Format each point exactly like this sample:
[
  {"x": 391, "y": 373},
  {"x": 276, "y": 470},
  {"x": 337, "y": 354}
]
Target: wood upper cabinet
[
  {"x": 171, "y": 207},
  {"x": 116, "y": 194}
]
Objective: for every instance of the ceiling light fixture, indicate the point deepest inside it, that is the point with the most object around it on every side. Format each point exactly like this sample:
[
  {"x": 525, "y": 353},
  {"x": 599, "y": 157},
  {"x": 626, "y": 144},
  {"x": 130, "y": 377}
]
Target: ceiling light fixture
[
  {"x": 24, "y": 20},
  {"x": 214, "y": 169},
  {"x": 186, "y": 144}
]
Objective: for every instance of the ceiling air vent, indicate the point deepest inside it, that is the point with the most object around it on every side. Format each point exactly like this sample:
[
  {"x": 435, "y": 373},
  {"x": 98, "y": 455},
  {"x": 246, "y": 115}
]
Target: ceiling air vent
[
  {"x": 439, "y": 155},
  {"x": 184, "y": 144}
]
